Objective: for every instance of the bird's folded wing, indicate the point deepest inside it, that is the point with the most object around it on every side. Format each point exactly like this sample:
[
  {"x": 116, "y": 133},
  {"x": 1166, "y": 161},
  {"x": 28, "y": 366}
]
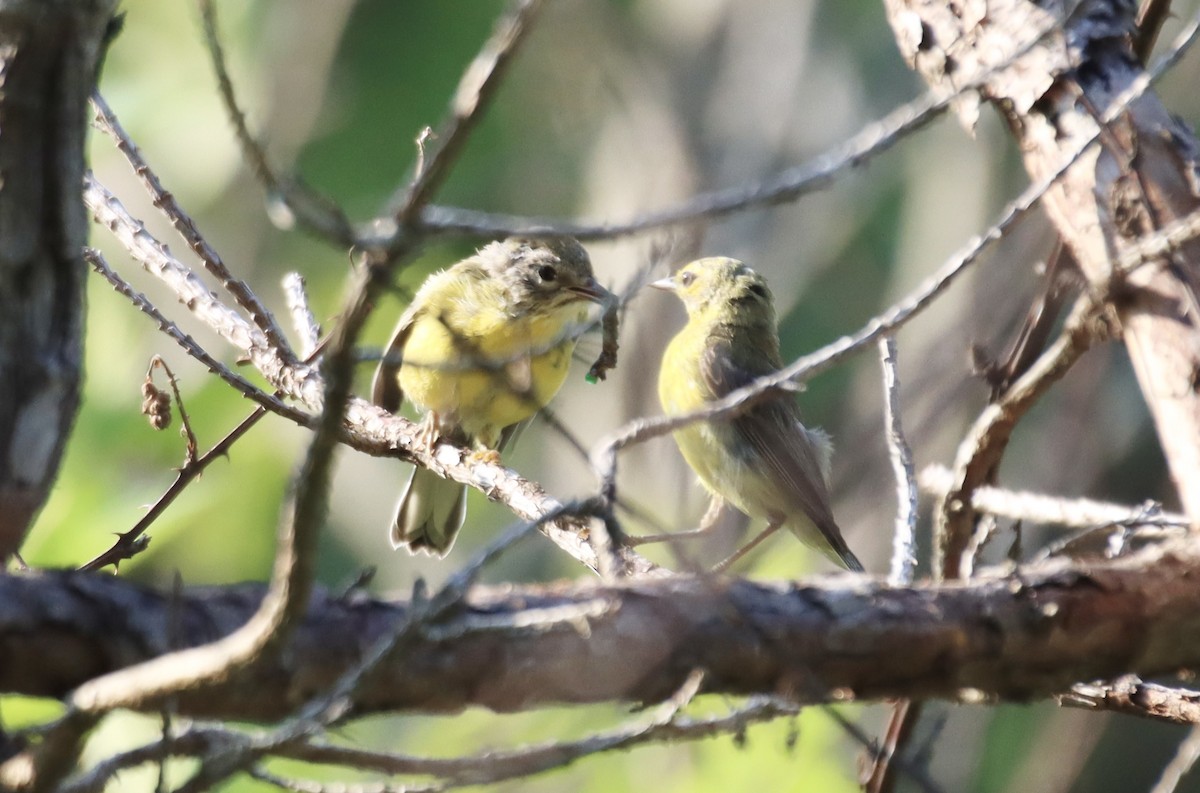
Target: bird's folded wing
[{"x": 772, "y": 432}]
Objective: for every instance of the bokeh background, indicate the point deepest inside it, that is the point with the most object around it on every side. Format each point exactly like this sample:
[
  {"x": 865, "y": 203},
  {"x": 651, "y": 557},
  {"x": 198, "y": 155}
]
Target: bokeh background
[{"x": 611, "y": 109}]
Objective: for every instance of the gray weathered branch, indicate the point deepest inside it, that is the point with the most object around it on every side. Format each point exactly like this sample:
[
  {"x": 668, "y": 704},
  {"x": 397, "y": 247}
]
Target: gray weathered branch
[{"x": 1012, "y": 638}]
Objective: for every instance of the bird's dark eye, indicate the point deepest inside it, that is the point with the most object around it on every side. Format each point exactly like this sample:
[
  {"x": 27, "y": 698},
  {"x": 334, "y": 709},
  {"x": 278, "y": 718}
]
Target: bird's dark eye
[
  {"x": 687, "y": 278},
  {"x": 547, "y": 273}
]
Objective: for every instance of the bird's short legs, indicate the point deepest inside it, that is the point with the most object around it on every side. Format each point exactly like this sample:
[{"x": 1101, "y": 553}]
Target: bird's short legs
[
  {"x": 723, "y": 565},
  {"x": 706, "y": 524}
]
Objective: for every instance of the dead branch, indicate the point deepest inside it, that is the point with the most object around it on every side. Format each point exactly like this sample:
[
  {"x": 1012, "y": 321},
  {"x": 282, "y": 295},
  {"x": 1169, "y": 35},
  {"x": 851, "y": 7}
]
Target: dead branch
[
  {"x": 1016, "y": 637},
  {"x": 955, "y": 547},
  {"x": 1140, "y": 178},
  {"x": 1135, "y": 697}
]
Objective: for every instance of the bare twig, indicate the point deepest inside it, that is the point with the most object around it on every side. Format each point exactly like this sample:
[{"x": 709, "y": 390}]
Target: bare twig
[
  {"x": 878, "y": 773},
  {"x": 955, "y": 545},
  {"x": 918, "y": 774},
  {"x": 131, "y": 542},
  {"x": 664, "y": 724},
  {"x": 189, "y": 742},
  {"x": 475, "y": 92},
  {"x": 187, "y": 229},
  {"x": 1080, "y": 513},
  {"x": 782, "y": 188},
  {"x": 306, "y": 325},
  {"x": 189, "y": 345},
  {"x": 1131, "y": 696},
  {"x": 278, "y": 366},
  {"x": 314, "y": 211},
  {"x": 153, "y": 399},
  {"x": 1181, "y": 764},
  {"x": 904, "y": 540}
]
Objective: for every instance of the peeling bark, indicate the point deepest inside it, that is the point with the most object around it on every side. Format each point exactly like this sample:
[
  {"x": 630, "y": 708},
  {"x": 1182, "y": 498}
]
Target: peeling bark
[{"x": 1141, "y": 176}]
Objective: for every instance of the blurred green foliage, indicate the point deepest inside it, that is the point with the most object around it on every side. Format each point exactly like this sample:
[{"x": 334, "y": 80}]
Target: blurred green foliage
[{"x": 611, "y": 109}]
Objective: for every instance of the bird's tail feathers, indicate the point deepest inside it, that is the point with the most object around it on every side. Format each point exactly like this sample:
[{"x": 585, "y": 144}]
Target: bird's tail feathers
[
  {"x": 828, "y": 540},
  {"x": 430, "y": 513},
  {"x": 823, "y": 446},
  {"x": 836, "y": 549}
]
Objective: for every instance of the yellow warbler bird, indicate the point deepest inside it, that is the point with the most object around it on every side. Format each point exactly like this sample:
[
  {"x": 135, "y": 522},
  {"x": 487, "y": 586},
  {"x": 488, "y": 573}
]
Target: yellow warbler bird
[
  {"x": 484, "y": 345},
  {"x": 763, "y": 461}
]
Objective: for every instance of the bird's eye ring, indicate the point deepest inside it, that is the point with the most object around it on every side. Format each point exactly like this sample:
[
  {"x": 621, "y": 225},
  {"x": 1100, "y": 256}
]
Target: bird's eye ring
[
  {"x": 547, "y": 273},
  {"x": 687, "y": 278}
]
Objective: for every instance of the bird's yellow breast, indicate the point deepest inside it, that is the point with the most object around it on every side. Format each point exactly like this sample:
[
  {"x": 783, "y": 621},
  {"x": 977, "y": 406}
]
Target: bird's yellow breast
[
  {"x": 681, "y": 390},
  {"x": 482, "y": 368},
  {"x": 712, "y": 449}
]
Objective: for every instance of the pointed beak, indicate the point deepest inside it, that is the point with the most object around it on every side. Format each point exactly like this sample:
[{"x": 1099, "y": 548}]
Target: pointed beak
[
  {"x": 665, "y": 284},
  {"x": 591, "y": 290}
]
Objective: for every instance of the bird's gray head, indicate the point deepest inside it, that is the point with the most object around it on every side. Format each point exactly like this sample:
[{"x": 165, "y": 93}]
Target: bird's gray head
[{"x": 542, "y": 273}]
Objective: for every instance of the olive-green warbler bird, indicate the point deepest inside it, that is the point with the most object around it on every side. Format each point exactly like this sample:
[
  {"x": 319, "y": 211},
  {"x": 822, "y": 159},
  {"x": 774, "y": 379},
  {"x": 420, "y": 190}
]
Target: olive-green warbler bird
[
  {"x": 763, "y": 461},
  {"x": 484, "y": 345}
]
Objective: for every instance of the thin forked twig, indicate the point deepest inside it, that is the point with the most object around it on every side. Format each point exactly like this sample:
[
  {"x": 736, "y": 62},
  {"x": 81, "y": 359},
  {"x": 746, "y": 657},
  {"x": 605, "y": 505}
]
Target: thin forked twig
[
  {"x": 154, "y": 397},
  {"x": 183, "y": 223},
  {"x": 956, "y": 546},
  {"x": 131, "y": 542},
  {"x": 188, "y": 344},
  {"x": 664, "y": 724}
]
